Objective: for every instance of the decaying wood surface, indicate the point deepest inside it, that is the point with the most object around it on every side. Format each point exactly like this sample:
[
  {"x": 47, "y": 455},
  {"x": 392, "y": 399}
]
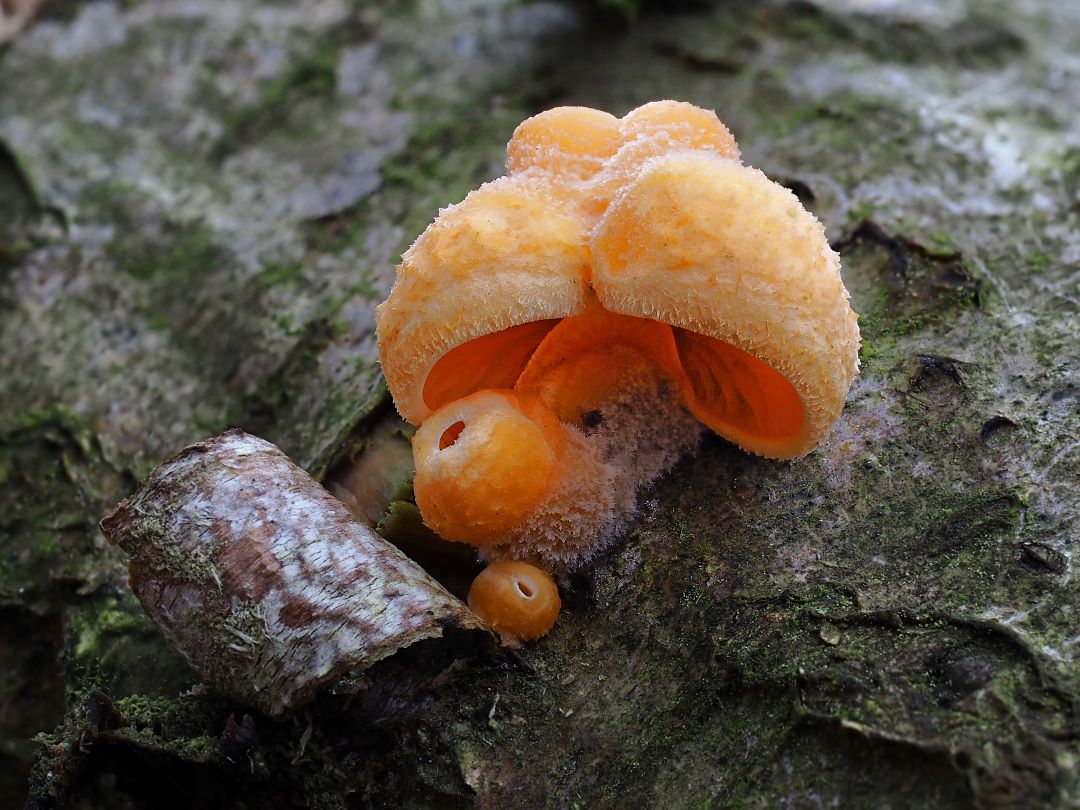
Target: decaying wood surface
[{"x": 200, "y": 205}]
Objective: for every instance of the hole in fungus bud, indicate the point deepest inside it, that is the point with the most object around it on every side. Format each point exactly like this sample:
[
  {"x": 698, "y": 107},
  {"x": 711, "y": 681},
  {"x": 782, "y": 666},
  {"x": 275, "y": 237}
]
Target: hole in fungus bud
[
  {"x": 499, "y": 470},
  {"x": 524, "y": 589},
  {"x": 451, "y": 434}
]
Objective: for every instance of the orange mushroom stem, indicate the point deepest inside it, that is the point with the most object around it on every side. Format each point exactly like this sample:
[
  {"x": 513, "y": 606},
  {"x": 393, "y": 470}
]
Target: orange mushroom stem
[{"x": 518, "y": 600}]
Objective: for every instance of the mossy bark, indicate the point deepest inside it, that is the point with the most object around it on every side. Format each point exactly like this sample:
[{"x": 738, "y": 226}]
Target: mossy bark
[{"x": 201, "y": 203}]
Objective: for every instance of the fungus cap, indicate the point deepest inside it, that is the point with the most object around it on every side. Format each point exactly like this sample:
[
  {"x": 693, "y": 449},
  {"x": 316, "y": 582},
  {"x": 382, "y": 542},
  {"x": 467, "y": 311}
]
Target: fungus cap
[
  {"x": 491, "y": 275},
  {"x": 654, "y": 129},
  {"x": 745, "y": 276},
  {"x": 571, "y": 142},
  {"x": 650, "y": 217},
  {"x": 479, "y": 289}
]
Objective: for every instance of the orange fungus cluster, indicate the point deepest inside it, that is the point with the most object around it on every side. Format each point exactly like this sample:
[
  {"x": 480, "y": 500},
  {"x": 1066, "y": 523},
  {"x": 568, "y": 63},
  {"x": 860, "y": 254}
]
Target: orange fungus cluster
[{"x": 562, "y": 334}]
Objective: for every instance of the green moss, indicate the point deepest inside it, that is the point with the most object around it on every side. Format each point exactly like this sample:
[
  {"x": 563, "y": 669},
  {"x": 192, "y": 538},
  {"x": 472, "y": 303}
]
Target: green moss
[
  {"x": 57, "y": 415},
  {"x": 442, "y": 156},
  {"x": 101, "y": 619},
  {"x": 289, "y": 326},
  {"x": 311, "y": 76},
  {"x": 19, "y": 207},
  {"x": 1069, "y": 169},
  {"x": 285, "y": 272},
  {"x": 975, "y": 521},
  {"x": 180, "y": 256},
  {"x": 901, "y": 288},
  {"x": 627, "y": 9},
  {"x": 1038, "y": 261},
  {"x": 52, "y": 470},
  {"x": 50, "y": 545}
]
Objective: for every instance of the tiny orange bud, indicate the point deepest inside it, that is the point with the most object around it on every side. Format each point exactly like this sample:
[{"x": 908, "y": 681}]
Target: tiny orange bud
[{"x": 517, "y": 599}]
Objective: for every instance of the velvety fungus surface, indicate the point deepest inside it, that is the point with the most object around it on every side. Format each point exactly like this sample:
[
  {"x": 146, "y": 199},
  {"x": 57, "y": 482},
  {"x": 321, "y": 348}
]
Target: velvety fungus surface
[
  {"x": 562, "y": 334},
  {"x": 517, "y": 599}
]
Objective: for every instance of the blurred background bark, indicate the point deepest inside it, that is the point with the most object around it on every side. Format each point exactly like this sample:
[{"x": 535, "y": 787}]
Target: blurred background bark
[{"x": 200, "y": 205}]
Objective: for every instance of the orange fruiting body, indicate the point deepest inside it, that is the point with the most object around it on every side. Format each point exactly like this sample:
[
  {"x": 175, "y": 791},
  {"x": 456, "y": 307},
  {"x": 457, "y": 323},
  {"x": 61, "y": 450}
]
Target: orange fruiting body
[
  {"x": 498, "y": 470},
  {"x": 517, "y": 599},
  {"x": 587, "y": 358},
  {"x": 483, "y": 462},
  {"x": 626, "y": 282}
]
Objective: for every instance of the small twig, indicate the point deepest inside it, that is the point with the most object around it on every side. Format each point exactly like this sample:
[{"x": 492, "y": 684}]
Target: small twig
[{"x": 14, "y": 16}]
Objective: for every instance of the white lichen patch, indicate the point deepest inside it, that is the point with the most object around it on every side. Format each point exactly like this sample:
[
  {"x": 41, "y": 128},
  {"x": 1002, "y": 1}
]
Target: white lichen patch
[{"x": 868, "y": 421}]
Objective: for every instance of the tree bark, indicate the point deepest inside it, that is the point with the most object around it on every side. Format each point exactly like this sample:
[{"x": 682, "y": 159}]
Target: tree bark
[{"x": 200, "y": 206}]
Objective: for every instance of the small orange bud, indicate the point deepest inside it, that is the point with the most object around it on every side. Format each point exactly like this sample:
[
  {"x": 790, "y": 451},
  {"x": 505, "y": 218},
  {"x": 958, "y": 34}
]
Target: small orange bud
[{"x": 517, "y": 599}]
